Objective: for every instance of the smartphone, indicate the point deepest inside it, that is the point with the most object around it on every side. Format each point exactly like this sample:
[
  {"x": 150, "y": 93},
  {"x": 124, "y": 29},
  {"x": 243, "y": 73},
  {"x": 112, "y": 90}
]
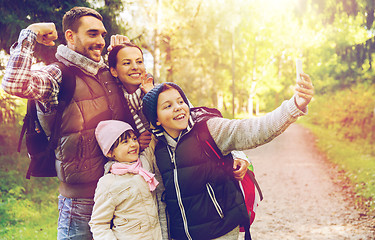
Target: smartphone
[{"x": 298, "y": 68}]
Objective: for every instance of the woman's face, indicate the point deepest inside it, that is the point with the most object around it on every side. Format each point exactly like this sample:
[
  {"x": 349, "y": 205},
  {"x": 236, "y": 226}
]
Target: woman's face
[{"x": 130, "y": 68}]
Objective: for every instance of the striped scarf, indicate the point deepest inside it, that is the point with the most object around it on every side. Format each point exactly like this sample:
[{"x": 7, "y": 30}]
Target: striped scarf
[{"x": 135, "y": 105}]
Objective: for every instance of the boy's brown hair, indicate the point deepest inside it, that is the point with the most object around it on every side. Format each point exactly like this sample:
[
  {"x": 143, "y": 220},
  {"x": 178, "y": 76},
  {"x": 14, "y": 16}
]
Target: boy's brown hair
[{"x": 71, "y": 17}]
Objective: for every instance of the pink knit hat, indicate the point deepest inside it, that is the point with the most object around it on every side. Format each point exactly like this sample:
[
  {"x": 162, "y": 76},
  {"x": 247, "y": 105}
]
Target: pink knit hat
[{"x": 108, "y": 131}]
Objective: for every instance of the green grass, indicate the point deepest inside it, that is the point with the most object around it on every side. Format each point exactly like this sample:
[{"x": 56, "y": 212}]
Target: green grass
[
  {"x": 355, "y": 158},
  {"x": 23, "y": 219},
  {"x": 28, "y": 208}
]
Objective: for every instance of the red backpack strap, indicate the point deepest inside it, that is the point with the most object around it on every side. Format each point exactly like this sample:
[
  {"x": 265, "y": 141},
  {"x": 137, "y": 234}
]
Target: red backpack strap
[
  {"x": 253, "y": 179},
  {"x": 208, "y": 144},
  {"x": 201, "y": 115}
]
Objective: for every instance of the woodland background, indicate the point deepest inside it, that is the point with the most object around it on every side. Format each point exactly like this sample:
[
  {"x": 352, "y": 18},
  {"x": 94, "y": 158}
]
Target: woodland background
[{"x": 238, "y": 56}]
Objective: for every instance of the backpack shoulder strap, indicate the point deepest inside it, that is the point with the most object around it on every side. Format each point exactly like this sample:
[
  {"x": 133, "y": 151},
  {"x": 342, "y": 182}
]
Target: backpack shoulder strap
[
  {"x": 67, "y": 88},
  {"x": 201, "y": 116},
  {"x": 204, "y": 136},
  {"x": 205, "y": 113},
  {"x": 28, "y": 121},
  {"x": 68, "y": 83}
]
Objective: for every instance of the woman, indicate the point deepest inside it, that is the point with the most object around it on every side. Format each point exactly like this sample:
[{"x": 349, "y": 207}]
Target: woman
[{"x": 127, "y": 65}]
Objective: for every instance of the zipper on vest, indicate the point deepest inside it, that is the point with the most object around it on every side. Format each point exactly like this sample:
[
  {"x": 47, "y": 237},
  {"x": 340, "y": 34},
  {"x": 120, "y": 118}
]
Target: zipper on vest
[
  {"x": 178, "y": 193},
  {"x": 211, "y": 193}
]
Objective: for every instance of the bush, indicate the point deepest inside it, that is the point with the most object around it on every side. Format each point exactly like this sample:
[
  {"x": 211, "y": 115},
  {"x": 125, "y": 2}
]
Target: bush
[
  {"x": 11, "y": 108},
  {"x": 344, "y": 123},
  {"x": 349, "y": 113}
]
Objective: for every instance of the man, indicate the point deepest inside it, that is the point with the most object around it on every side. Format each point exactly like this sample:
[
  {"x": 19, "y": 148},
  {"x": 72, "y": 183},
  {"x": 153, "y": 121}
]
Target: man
[{"x": 97, "y": 97}]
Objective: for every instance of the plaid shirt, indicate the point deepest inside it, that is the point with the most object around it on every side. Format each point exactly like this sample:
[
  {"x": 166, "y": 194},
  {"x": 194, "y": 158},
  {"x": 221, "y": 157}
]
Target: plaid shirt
[{"x": 20, "y": 80}]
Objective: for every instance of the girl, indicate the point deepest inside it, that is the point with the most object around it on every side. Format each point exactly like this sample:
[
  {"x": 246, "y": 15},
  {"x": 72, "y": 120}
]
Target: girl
[
  {"x": 126, "y": 193},
  {"x": 203, "y": 201}
]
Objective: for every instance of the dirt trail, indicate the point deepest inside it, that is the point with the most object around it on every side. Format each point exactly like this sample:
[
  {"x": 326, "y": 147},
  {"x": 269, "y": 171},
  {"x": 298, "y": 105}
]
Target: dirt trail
[{"x": 301, "y": 198}]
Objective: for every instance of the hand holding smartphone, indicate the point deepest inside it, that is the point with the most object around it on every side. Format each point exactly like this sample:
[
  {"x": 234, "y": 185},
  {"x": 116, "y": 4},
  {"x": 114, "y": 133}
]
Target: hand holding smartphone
[{"x": 305, "y": 89}]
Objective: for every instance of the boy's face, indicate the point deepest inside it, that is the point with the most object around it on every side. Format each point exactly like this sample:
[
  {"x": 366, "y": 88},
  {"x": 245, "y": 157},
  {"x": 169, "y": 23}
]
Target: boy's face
[
  {"x": 173, "y": 113},
  {"x": 127, "y": 150},
  {"x": 130, "y": 68}
]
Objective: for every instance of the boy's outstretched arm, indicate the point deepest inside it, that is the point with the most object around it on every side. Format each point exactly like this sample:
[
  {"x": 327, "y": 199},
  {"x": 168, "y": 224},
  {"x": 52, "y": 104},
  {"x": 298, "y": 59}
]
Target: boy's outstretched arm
[
  {"x": 304, "y": 94},
  {"x": 249, "y": 133}
]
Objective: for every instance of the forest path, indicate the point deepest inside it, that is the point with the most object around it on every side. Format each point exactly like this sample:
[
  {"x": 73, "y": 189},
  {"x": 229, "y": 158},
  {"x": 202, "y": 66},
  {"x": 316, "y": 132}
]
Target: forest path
[{"x": 303, "y": 198}]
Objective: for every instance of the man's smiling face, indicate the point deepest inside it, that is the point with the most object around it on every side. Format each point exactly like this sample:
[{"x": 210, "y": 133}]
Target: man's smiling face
[{"x": 89, "y": 38}]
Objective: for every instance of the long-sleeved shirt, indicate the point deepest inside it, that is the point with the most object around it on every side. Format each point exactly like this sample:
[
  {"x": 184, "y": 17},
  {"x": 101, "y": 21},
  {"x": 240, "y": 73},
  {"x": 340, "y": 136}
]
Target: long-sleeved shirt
[
  {"x": 250, "y": 133},
  {"x": 42, "y": 84},
  {"x": 23, "y": 82}
]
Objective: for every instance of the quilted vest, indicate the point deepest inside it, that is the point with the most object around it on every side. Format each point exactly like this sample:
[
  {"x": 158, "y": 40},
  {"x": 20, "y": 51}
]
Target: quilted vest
[
  {"x": 203, "y": 199},
  {"x": 79, "y": 159}
]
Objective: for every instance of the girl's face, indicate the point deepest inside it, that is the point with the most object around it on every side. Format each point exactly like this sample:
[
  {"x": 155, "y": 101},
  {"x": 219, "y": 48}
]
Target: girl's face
[
  {"x": 130, "y": 68},
  {"x": 173, "y": 113},
  {"x": 127, "y": 150}
]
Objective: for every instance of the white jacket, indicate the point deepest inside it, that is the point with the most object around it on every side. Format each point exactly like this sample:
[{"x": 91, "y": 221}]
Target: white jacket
[{"x": 128, "y": 201}]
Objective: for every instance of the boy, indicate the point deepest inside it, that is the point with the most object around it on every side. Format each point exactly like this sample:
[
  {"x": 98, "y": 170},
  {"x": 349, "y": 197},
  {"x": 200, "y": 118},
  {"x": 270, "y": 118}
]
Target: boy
[{"x": 202, "y": 198}]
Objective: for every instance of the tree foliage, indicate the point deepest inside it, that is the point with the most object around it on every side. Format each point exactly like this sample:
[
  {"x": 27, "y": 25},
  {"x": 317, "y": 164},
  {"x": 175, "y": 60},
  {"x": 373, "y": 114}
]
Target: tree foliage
[
  {"x": 351, "y": 123},
  {"x": 348, "y": 28},
  {"x": 205, "y": 46},
  {"x": 17, "y": 15},
  {"x": 9, "y": 112}
]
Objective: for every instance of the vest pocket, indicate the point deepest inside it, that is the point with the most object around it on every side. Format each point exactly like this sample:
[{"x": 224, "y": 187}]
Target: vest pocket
[
  {"x": 211, "y": 193},
  {"x": 127, "y": 227}
]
